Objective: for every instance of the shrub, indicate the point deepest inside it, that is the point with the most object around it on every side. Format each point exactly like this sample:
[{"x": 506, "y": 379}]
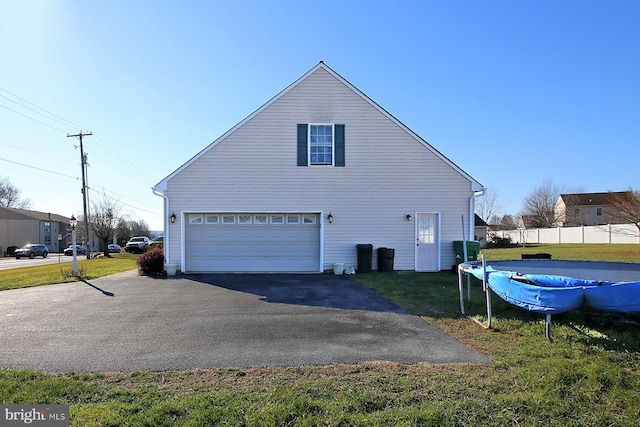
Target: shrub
[
  {"x": 495, "y": 241},
  {"x": 151, "y": 262}
]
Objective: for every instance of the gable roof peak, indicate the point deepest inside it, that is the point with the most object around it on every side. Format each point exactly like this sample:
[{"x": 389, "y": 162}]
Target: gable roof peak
[{"x": 476, "y": 186}]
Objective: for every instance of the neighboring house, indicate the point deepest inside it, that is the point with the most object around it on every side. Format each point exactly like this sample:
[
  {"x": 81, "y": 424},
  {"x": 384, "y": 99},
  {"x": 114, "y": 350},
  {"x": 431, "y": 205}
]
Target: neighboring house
[
  {"x": 20, "y": 226},
  {"x": 480, "y": 230},
  {"x": 526, "y": 221},
  {"x": 573, "y": 210},
  {"x": 317, "y": 170}
]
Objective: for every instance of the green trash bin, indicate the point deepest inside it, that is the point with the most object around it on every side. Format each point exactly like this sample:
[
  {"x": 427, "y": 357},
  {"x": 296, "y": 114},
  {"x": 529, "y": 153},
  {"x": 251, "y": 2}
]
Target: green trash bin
[{"x": 473, "y": 250}]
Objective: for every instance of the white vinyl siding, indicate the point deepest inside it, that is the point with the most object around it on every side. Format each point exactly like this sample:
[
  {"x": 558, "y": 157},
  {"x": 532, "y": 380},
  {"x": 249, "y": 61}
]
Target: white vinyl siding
[{"x": 389, "y": 174}]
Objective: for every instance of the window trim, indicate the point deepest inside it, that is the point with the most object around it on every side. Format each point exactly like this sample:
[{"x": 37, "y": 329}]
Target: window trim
[{"x": 333, "y": 144}]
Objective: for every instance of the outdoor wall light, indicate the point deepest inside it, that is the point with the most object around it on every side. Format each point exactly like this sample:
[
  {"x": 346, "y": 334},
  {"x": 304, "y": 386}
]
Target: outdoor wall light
[
  {"x": 330, "y": 218},
  {"x": 409, "y": 217},
  {"x": 172, "y": 218}
]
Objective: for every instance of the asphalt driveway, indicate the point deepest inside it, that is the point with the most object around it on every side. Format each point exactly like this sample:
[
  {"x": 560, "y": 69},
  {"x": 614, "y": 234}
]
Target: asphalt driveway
[{"x": 126, "y": 322}]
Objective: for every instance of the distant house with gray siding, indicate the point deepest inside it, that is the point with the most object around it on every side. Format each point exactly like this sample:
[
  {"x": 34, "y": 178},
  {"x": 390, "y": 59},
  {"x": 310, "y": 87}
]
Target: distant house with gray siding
[
  {"x": 317, "y": 170},
  {"x": 21, "y": 226}
]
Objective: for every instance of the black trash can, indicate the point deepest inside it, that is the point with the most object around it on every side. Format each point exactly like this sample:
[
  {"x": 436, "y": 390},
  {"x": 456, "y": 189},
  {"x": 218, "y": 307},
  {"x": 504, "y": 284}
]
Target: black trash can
[
  {"x": 365, "y": 255},
  {"x": 385, "y": 259}
]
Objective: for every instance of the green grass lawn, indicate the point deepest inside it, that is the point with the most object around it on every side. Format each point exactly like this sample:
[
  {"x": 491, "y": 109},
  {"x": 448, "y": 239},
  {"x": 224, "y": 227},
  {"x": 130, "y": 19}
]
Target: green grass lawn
[
  {"x": 62, "y": 272},
  {"x": 594, "y": 252},
  {"x": 589, "y": 376}
]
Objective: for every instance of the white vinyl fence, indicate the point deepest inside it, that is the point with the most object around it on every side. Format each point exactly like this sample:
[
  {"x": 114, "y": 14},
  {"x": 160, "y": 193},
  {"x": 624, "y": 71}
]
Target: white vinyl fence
[{"x": 611, "y": 233}]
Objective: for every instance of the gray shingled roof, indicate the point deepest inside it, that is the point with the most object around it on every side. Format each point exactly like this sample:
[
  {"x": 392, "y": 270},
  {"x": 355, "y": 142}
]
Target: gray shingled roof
[{"x": 24, "y": 214}]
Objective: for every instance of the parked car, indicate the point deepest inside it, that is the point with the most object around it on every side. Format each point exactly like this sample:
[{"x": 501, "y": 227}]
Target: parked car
[
  {"x": 32, "y": 251},
  {"x": 137, "y": 244},
  {"x": 157, "y": 242},
  {"x": 114, "y": 249},
  {"x": 80, "y": 250}
]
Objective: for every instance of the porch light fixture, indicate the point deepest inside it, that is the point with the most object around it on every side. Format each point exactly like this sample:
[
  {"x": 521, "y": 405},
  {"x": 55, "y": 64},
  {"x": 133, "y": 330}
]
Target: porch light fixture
[
  {"x": 409, "y": 217},
  {"x": 330, "y": 218},
  {"x": 172, "y": 218}
]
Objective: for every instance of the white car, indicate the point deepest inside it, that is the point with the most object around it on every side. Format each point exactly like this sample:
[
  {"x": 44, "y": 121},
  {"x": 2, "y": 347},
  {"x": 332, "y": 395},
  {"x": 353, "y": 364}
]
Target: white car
[{"x": 137, "y": 244}]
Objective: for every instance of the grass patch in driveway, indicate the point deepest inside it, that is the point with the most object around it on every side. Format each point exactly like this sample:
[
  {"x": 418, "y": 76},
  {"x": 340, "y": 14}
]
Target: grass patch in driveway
[{"x": 49, "y": 274}]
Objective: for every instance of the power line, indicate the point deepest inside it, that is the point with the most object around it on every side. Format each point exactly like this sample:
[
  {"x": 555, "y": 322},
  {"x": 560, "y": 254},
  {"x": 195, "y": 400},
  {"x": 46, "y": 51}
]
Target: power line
[
  {"x": 37, "y": 154},
  {"x": 104, "y": 191},
  {"x": 49, "y": 114},
  {"x": 100, "y": 142},
  {"x": 113, "y": 153},
  {"x": 40, "y": 169},
  {"x": 31, "y": 118}
]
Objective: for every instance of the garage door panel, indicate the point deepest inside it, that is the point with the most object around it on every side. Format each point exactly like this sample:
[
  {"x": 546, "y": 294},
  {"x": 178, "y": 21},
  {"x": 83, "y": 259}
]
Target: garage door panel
[{"x": 241, "y": 246}]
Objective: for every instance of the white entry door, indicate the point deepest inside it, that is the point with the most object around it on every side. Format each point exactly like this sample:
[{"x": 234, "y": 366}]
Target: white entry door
[{"x": 427, "y": 242}]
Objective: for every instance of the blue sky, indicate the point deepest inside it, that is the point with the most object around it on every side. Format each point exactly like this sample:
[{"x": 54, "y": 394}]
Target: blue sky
[{"x": 514, "y": 92}]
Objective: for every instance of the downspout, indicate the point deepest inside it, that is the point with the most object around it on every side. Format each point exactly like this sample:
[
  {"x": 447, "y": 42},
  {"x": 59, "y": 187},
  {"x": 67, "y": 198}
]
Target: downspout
[
  {"x": 475, "y": 195},
  {"x": 166, "y": 223}
]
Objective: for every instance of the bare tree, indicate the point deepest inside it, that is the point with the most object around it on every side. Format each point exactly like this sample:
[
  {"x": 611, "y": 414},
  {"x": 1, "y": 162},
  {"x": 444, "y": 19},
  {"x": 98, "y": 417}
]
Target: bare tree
[
  {"x": 488, "y": 205},
  {"x": 10, "y": 195},
  {"x": 105, "y": 215},
  {"x": 624, "y": 207},
  {"x": 128, "y": 228},
  {"x": 539, "y": 205},
  {"x": 508, "y": 222},
  {"x": 139, "y": 227}
]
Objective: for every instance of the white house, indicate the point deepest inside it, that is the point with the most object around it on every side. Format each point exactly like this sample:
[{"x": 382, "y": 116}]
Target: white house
[{"x": 317, "y": 170}]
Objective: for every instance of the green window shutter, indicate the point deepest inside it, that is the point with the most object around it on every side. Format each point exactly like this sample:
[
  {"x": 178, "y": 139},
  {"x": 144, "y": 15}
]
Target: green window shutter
[
  {"x": 303, "y": 156},
  {"x": 339, "y": 145}
]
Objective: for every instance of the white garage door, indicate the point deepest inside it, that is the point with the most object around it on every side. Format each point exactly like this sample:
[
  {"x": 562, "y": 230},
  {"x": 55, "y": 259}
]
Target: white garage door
[{"x": 238, "y": 242}]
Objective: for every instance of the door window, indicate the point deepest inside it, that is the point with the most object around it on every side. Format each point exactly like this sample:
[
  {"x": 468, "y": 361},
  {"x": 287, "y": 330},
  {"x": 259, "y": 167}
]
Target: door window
[{"x": 427, "y": 229}]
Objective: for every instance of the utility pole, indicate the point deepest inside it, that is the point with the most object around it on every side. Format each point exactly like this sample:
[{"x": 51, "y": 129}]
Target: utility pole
[{"x": 85, "y": 189}]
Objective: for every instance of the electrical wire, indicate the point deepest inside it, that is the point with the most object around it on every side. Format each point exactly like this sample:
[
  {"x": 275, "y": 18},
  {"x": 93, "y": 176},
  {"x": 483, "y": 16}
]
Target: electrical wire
[
  {"x": 135, "y": 168},
  {"x": 38, "y": 154},
  {"x": 49, "y": 115},
  {"x": 124, "y": 203},
  {"x": 100, "y": 142},
  {"x": 31, "y": 118},
  {"x": 116, "y": 155},
  {"x": 40, "y": 169}
]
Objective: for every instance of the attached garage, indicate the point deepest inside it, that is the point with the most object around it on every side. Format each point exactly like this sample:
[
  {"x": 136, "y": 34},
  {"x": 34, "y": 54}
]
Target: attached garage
[{"x": 252, "y": 242}]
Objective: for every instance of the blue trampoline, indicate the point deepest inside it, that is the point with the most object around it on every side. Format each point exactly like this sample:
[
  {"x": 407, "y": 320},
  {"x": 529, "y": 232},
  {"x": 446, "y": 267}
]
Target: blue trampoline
[{"x": 605, "y": 286}]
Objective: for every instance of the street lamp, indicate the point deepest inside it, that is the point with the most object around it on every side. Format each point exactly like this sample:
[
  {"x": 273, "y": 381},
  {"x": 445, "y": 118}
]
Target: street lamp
[{"x": 73, "y": 222}]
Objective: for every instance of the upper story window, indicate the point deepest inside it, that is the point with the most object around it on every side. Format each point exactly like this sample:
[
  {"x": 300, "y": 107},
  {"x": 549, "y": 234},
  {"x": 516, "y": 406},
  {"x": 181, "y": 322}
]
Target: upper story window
[
  {"x": 598, "y": 211},
  {"x": 321, "y": 144}
]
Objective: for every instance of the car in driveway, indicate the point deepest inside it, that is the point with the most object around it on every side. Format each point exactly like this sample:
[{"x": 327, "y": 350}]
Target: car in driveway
[
  {"x": 80, "y": 250},
  {"x": 137, "y": 244},
  {"x": 31, "y": 251},
  {"x": 114, "y": 249}
]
